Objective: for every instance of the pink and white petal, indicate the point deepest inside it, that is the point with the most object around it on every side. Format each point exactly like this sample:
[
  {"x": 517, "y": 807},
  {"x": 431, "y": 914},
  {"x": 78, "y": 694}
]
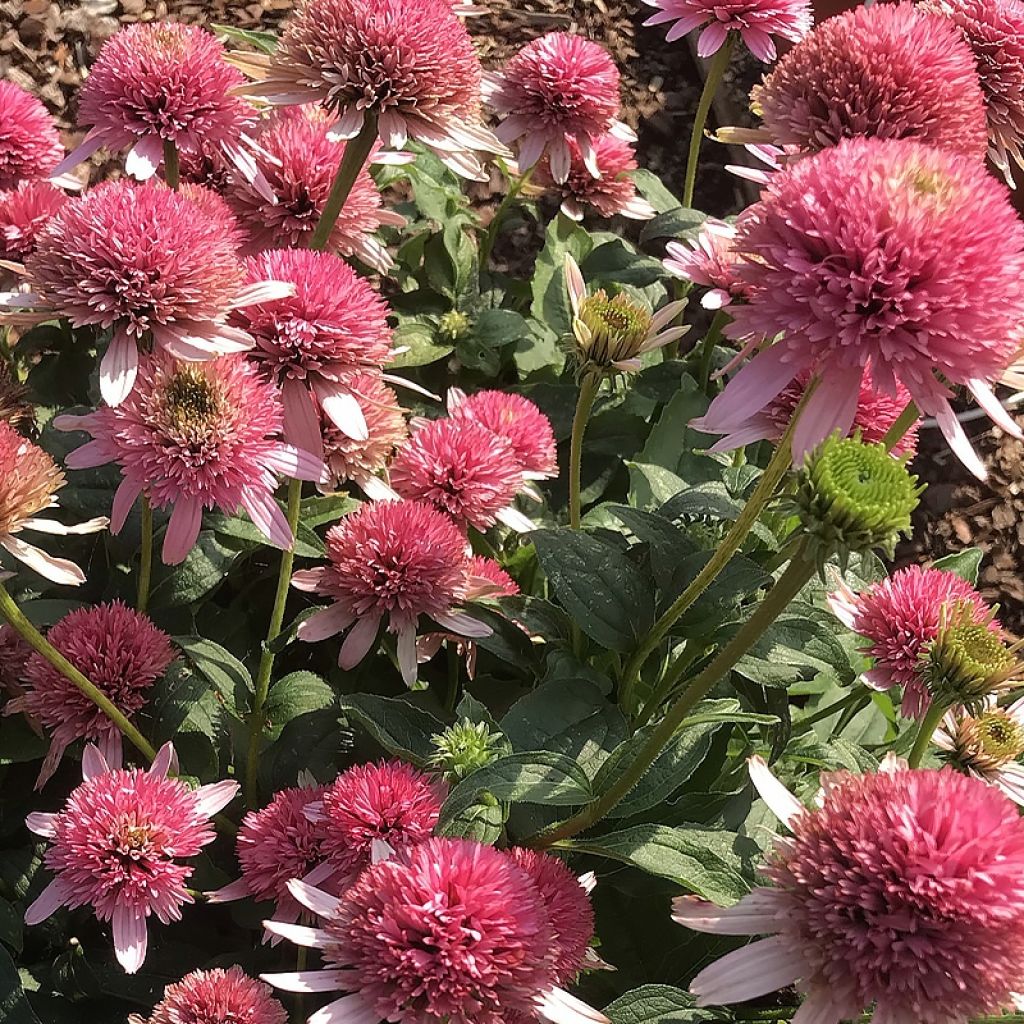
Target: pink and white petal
[
  {"x": 623, "y": 131},
  {"x": 47, "y": 903},
  {"x": 58, "y": 570},
  {"x": 409, "y": 385},
  {"x": 296, "y": 462},
  {"x": 89, "y": 456},
  {"x": 377, "y": 490},
  {"x": 336, "y": 980},
  {"x": 780, "y": 801},
  {"x": 322, "y": 872},
  {"x": 746, "y": 973},
  {"x": 531, "y": 149},
  {"x": 325, "y": 623},
  {"x": 756, "y": 914},
  {"x": 993, "y": 408},
  {"x": 559, "y": 159},
  {"x": 357, "y": 644},
  {"x": 351, "y": 1009},
  {"x": 759, "y": 43},
  {"x": 348, "y": 125},
  {"x": 559, "y": 1007},
  {"x": 118, "y": 368},
  {"x": 589, "y": 155},
  {"x": 345, "y": 412},
  {"x": 144, "y": 158},
  {"x": 956, "y": 437},
  {"x": 515, "y": 520},
  {"x": 711, "y": 39},
  {"x": 819, "y": 1008},
  {"x": 229, "y": 893},
  {"x": 666, "y": 315},
  {"x": 1010, "y": 779},
  {"x": 213, "y": 798},
  {"x": 130, "y": 937},
  {"x": 663, "y": 338},
  {"x": 41, "y": 823},
  {"x": 125, "y": 496},
  {"x": 268, "y": 518},
  {"x": 94, "y": 763},
  {"x": 311, "y": 938},
  {"x": 831, "y": 408},
  {"x": 182, "y": 530},
  {"x": 93, "y": 141},
  {"x": 319, "y": 902},
  {"x": 758, "y": 428},
  {"x": 301, "y": 418},
  {"x": 380, "y": 851},
  {"x": 263, "y": 291},
  {"x": 309, "y": 580},
  {"x": 165, "y": 763},
  {"x": 749, "y": 391},
  {"x": 463, "y": 624},
  {"x": 51, "y": 526},
  {"x": 407, "y": 662},
  {"x": 843, "y": 603}
]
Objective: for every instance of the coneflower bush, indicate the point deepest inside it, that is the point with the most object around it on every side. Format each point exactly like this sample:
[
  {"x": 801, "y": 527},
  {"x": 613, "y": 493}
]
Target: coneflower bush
[{"x": 406, "y": 584}]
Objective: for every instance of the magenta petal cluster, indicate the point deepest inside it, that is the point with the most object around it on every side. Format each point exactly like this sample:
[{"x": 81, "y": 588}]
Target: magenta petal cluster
[
  {"x": 875, "y": 253},
  {"x": 899, "y": 617},
  {"x": 29, "y": 142},
  {"x": 117, "y": 649},
  {"x": 711, "y": 261},
  {"x": 903, "y": 890},
  {"x": 24, "y": 211},
  {"x": 195, "y": 436},
  {"x": 119, "y": 846},
  {"x": 217, "y": 996},
  {"x": 758, "y": 22}
]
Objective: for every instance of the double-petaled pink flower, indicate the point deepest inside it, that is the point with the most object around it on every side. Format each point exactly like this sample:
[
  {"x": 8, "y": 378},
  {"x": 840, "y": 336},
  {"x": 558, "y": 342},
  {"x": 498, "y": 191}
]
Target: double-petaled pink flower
[
  {"x": 29, "y": 141},
  {"x": 711, "y": 261},
  {"x": 217, "y": 996},
  {"x": 24, "y": 211}
]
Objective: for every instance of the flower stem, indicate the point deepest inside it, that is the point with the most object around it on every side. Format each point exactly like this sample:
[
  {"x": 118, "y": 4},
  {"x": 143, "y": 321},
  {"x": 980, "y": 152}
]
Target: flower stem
[
  {"x": 452, "y": 694},
  {"x": 790, "y": 583},
  {"x": 12, "y": 613},
  {"x": 849, "y": 701},
  {"x": 715, "y": 72},
  {"x": 925, "y": 731},
  {"x": 145, "y": 555},
  {"x": 172, "y": 169},
  {"x": 904, "y": 422},
  {"x": 357, "y": 152},
  {"x": 515, "y": 186},
  {"x": 266, "y": 667},
  {"x": 667, "y": 684},
  {"x": 707, "y": 351},
  {"x": 584, "y": 406}
]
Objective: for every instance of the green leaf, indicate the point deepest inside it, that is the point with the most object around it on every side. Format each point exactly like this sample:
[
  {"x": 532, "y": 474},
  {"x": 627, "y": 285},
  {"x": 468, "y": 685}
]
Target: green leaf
[
  {"x": 675, "y": 223},
  {"x": 619, "y": 263},
  {"x": 265, "y": 42},
  {"x": 18, "y": 743},
  {"x": 418, "y": 335},
  {"x": 299, "y": 693},
  {"x": 228, "y": 675},
  {"x": 659, "y": 1004},
  {"x": 482, "y": 820},
  {"x": 11, "y": 925},
  {"x": 307, "y": 543},
  {"x": 324, "y": 509},
  {"x": 400, "y": 727},
  {"x": 184, "y": 701},
  {"x": 651, "y": 187},
  {"x": 964, "y": 563},
  {"x": 14, "y": 1006},
  {"x": 205, "y": 568},
  {"x": 550, "y": 298},
  {"x": 607, "y": 594}
]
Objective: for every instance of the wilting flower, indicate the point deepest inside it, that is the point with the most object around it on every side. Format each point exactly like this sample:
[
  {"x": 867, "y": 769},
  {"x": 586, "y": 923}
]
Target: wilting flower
[
  {"x": 144, "y": 261},
  {"x": 408, "y": 63},
  {"x": 558, "y": 88},
  {"x": 874, "y": 252},
  {"x": 994, "y": 30},
  {"x": 118, "y": 843},
  {"x": 217, "y": 996},
  {"x": 159, "y": 84},
  {"x": 300, "y": 162},
  {"x": 24, "y": 211},
  {"x": 117, "y": 649},
  {"x": 710, "y": 261},
  {"x": 372, "y": 811},
  {"x": 332, "y": 323},
  {"x": 347, "y": 458},
  {"x": 612, "y": 192},
  {"x": 899, "y": 617},
  {"x": 903, "y": 890},
  {"x": 393, "y": 559},
  {"x": 29, "y": 142},
  {"x": 449, "y": 930},
  {"x": 30, "y": 483},
  {"x": 757, "y": 21},
  {"x": 891, "y": 71},
  {"x": 987, "y": 745},
  {"x": 276, "y": 844},
  {"x": 194, "y": 436},
  {"x": 611, "y": 334},
  {"x": 463, "y": 469}
]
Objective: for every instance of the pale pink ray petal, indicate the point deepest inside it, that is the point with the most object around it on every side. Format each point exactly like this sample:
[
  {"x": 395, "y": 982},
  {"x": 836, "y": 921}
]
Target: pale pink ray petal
[
  {"x": 345, "y": 412},
  {"x": 463, "y": 624},
  {"x": 746, "y": 973},
  {"x": 358, "y": 642},
  {"x": 127, "y": 493},
  {"x": 312, "y": 938},
  {"x": 559, "y": 1007},
  {"x": 297, "y": 462},
  {"x": 93, "y": 763},
  {"x": 93, "y": 141},
  {"x": 407, "y": 663},
  {"x": 118, "y": 368},
  {"x": 756, "y": 914},
  {"x": 310, "y": 981},
  {"x": 321, "y": 903},
  {"x": 41, "y": 823},
  {"x": 749, "y": 391},
  {"x": 325, "y": 623},
  {"x": 301, "y": 421},
  {"x": 238, "y": 890},
  {"x": 268, "y": 518},
  {"x": 90, "y": 455},
  {"x": 213, "y": 798},
  {"x": 165, "y": 763},
  {"x": 986, "y": 398},
  {"x": 780, "y": 801},
  {"x": 51, "y": 526},
  {"x": 182, "y": 530},
  {"x": 58, "y": 570},
  {"x": 130, "y": 937},
  {"x": 47, "y": 903},
  {"x": 144, "y": 158},
  {"x": 347, "y": 1010},
  {"x": 308, "y": 579},
  {"x": 832, "y": 407}
]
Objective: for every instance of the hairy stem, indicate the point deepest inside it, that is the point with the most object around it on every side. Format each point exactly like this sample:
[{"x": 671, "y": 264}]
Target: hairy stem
[
  {"x": 707, "y": 352},
  {"x": 145, "y": 556},
  {"x": 584, "y": 406},
  {"x": 719, "y": 63},
  {"x": 925, "y": 731}
]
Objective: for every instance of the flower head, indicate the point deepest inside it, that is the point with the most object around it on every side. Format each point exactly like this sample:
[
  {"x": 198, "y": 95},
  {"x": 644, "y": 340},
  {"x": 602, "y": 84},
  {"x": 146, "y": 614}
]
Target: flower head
[
  {"x": 310, "y": 341},
  {"x": 24, "y": 211},
  {"x": 14, "y": 652},
  {"x": 410, "y": 64},
  {"x": 611, "y": 192},
  {"x": 757, "y": 22},
  {"x": 114, "y": 647},
  {"x": 873, "y": 252},
  {"x": 987, "y": 744},
  {"x": 31, "y": 480},
  {"x": 393, "y": 559},
  {"x": 118, "y": 844},
  {"x": 371, "y": 811},
  {"x": 903, "y": 890},
  {"x": 156, "y": 84},
  {"x": 994, "y": 30},
  {"x": 710, "y": 261},
  {"x": 558, "y": 88},
  {"x": 464, "y": 748},
  {"x": 967, "y": 661},
  {"x": 217, "y": 996},
  {"x": 29, "y": 142},
  {"x": 891, "y": 71},
  {"x": 194, "y": 436},
  {"x": 899, "y": 617},
  {"x": 215, "y": 207}
]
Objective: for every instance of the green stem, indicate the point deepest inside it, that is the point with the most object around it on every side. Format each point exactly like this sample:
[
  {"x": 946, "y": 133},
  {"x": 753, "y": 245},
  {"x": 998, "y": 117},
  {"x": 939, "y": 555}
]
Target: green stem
[
  {"x": 719, "y": 63},
  {"x": 172, "y": 170},
  {"x": 925, "y": 731},
  {"x": 707, "y": 352},
  {"x": 452, "y": 698},
  {"x": 301, "y": 961},
  {"x": 145, "y": 556},
  {"x": 515, "y": 186},
  {"x": 849, "y": 701},
  {"x": 357, "y": 152},
  {"x": 266, "y": 667},
  {"x": 584, "y": 406},
  {"x": 667, "y": 684},
  {"x": 790, "y": 583},
  {"x": 12, "y": 613},
  {"x": 905, "y": 421}
]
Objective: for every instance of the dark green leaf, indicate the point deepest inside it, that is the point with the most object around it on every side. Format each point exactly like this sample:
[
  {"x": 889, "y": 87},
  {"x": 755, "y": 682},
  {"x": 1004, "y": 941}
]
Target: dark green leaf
[
  {"x": 651, "y": 187},
  {"x": 14, "y": 1006},
  {"x": 401, "y": 728},
  {"x": 550, "y": 298},
  {"x": 324, "y": 509},
  {"x": 205, "y": 568},
  {"x": 307, "y": 543},
  {"x": 675, "y": 223},
  {"x": 963, "y": 563},
  {"x": 619, "y": 263},
  {"x": 11, "y": 925},
  {"x": 420, "y": 339},
  {"x": 299, "y": 693},
  {"x": 228, "y": 675},
  {"x": 659, "y": 1004}
]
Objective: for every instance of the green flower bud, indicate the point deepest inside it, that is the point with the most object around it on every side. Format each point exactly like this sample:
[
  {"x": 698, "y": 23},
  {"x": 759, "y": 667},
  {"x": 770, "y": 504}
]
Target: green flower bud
[
  {"x": 967, "y": 662},
  {"x": 608, "y": 331},
  {"x": 465, "y": 747},
  {"x": 454, "y": 326}
]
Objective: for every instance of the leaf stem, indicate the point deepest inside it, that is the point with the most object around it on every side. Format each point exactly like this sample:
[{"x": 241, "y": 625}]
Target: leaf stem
[
  {"x": 145, "y": 556},
  {"x": 515, "y": 186},
  {"x": 925, "y": 731},
  {"x": 719, "y": 63},
  {"x": 584, "y": 406},
  {"x": 172, "y": 168}
]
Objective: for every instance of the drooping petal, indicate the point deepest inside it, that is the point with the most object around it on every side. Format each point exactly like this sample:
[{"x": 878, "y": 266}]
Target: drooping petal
[
  {"x": 325, "y": 623},
  {"x": 358, "y": 642},
  {"x": 756, "y": 914},
  {"x": 212, "y": 799},
  {"x": 118, "y": 368},
  {"x": 130, "y": 937},
  {"x": 58, "y": 570},
  {"x": 182, "y": 530},
  {"x": 321, "y": 903},
  {"x": 310, "y": 981},
  {"x": 47, "y": 903},
  {"x": 746, "y": 973},
  {"x": 780, "y": 801}
]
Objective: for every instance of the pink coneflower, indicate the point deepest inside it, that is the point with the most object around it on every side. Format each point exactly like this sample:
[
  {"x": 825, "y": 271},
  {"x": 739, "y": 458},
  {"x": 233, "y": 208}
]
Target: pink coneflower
[
  {"x": 903, "y": 890},
  {"x": 24, "y": 211},
  {"x": 611, "y": 193},
  {"x": 347, "y": 458},
  {"x": 333, "y": 323},
  {"x": 875, "y": 252},
  {"x": 448, "y": 931},
  {"x": 161, "y": 83},
  {"x": 557, "y": 88},
  {"x": 194, "y": 436},
  {"x": 393, "y": 559},
  {"x": 114, "y": 647},
  {"x": 300, "y": 162},
  {"x": 215, "y": 207},
  {"x": 463, "y": 469},
  {"x": 891, "y": 71},
  {"x": 372, "y": 811},
  {"x": 274, "y": 845},
  {"x": 30, "y": 484},
  {"x": 987, "y": 744},
  {"x": 409, "y": 63},
  {"x": 144, "y": 261},
  {"x": 876, "y": 413},
  {"x": 711, "y": 261},
  {"x": 757, "y": 21},
  {"x": 994, "y": 30},
  {"x": 117, "y": 846},
  {"x": 898, "y": 617},
  {"x": 29, "y": 141},
  {"x": 217, "y": 996}
]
